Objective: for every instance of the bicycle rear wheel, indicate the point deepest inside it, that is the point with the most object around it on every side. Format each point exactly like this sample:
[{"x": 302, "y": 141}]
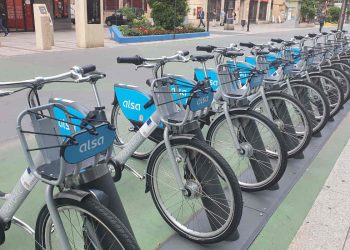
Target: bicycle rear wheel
[
  {"x": 209, "y": 208},
  {"x": 263, "y": 158},
  {"x": 88, "y": 225},
  {"x": 125, "y": 130}
]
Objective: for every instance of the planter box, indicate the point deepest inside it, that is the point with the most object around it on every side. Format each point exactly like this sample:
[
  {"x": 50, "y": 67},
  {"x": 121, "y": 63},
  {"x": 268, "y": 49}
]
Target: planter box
[{"x": 117, "y": 36}]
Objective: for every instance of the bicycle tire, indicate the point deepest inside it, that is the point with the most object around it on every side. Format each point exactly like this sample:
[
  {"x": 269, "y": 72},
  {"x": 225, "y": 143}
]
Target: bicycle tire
[
  {"x": 222, "y": 172},
  {"x": 89, "y": 206},
  {"x": 289, "y": 133},
  {"x": 335, "y": 95},
  {"x": 317, "y": 100},
  {"x": 116, "y": 117},
  {"x": 342, "y": 78},
  {"x": 275, "y": 176}
]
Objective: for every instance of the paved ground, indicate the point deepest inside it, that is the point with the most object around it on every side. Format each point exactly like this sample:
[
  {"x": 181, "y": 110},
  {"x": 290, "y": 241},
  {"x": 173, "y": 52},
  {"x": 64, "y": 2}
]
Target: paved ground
[{"x": 20, "y": 60}]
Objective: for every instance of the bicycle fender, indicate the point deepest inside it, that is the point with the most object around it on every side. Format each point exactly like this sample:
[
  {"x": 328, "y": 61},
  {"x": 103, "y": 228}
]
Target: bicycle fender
[
  {"x": 148, "y": 171},
  {"x": 74, "y": 194},
  {"x": 239, "y": 108}
]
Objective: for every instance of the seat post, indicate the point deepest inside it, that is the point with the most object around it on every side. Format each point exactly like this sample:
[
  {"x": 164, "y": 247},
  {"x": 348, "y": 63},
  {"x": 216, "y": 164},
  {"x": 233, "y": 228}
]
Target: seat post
[{"x": 204, "y": 69}]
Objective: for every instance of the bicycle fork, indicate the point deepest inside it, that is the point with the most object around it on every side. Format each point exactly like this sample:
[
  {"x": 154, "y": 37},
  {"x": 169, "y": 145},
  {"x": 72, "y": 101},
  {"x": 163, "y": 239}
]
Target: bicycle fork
[{"x": 57, "y": 222}]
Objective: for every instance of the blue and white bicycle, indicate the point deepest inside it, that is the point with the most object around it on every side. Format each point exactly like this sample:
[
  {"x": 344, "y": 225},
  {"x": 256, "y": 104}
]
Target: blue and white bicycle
[{"x": 250, "y": 142}]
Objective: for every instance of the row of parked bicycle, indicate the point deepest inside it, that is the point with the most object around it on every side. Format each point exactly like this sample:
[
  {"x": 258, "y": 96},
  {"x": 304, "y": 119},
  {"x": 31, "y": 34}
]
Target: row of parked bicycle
[{"x": 256, "y": 114}]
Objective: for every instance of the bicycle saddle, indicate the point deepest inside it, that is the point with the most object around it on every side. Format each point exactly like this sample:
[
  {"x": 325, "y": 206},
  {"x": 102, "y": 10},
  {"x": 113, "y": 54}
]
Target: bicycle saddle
[
  {"x": 201, "y": 58},
  {"x": 260, "y": 53},
  {"x": 298, "y": 37},
  {"x": 232, "y": 53}
]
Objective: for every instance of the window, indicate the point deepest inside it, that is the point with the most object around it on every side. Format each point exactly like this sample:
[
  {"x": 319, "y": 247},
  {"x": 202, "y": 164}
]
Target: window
[{"x": 60, "y": 8}]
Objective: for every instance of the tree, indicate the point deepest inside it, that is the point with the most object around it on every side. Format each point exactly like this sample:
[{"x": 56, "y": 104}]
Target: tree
[
  {"x": 308, "y": 10},
  {"x": 165, "y": 15},
  {"x": 333, "y": 14}
]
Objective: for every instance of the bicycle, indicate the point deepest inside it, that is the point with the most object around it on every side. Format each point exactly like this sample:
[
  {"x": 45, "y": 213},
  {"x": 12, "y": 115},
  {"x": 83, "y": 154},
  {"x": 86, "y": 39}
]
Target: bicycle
[
  {"x": 246, "y": 160},
  {"x": 74, "y": 216},
  {"x": 181, "y": 168},
  {"x": 290, "y": 117}
]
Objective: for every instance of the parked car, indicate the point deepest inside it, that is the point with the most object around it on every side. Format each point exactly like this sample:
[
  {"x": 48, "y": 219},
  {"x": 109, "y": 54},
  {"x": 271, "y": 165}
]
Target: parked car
[{"x": 116, "y": 19}]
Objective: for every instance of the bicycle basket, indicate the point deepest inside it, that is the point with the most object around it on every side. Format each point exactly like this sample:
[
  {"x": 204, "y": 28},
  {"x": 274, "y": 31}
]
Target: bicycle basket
[
  {"x": 61, "y": 155},
  {"x": 262, "y": 63},
  {"x": 228, "y": 78},
  {"x": 179, "y": 101}
]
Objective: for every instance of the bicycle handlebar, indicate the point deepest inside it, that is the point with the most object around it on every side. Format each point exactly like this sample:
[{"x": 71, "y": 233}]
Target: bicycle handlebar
[
  {"x": 78, "y": 74},
  {"x": 208, "y": 48},
  {"x": 248, "y": 45},
  {"x": 137, "y": 60},
  {"x": 277, "y": 40}
]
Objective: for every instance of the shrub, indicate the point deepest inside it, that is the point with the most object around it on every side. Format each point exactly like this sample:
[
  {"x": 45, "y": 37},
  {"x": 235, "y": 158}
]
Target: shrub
[
  {"x": 308, "y": 10},
  {"x": 333, "y": 14},
  {"x": 128, "y": 30},
  {"x": 129, "y": 13},
  {"x": 163, "y": 12}
]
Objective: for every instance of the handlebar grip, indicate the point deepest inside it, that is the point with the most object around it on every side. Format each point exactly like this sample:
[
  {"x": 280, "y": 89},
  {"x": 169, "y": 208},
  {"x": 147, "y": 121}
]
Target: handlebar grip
[
  {"x": 208, "y": 48},
  {"x": 186, "y": 52},
  {"x": 137, "y": 60},
  {"x": 88, "y": 69},
  {"x": 248, "y": 45},
  {"x": 277, "y": 40},
  {"x": 298, "y": 37},
  {"x": 149, "y": 103},
  {"x": 325, "y": 33}
]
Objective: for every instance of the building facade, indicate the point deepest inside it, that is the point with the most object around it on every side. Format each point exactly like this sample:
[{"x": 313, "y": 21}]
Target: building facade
[
  {"x": 20, "y": 17},
  {"x": 261, "y": 10}
]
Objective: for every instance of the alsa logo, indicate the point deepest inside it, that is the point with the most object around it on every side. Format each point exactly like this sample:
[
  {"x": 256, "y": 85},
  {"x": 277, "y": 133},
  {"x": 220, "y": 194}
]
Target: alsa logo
[
  {"x": 182, "y": 92},
  {"x": 214, "y": 83},
  {"x": 203, "y": 100},
  {"x": 65, "y": 125},
  {"x": 131, "y": 105},
  {"x": 91, "y": 144}
]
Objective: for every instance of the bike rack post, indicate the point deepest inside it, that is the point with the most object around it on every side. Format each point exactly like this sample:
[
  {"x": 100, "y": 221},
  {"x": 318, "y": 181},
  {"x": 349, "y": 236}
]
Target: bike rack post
[
  {"x": 260, "y": 174},
  {"x": 211, "y": 173},
  {"x": 282, "y": 111}
]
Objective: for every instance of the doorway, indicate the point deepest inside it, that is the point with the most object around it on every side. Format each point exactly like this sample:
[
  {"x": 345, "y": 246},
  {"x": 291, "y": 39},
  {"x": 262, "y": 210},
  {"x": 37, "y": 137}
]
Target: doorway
[{"x": 19, "y": 14}]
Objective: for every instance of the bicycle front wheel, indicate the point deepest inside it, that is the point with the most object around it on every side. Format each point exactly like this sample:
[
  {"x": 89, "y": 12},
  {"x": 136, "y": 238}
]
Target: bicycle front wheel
[
  {"x": 88, "y": 225},
  {"x": 331, "y": 89},
  {"x": 207, "y": 206},
  {"x": 290, "y": 117},
  {"x": 313, "y": 100},
  {"x": 261, "y": 159}
]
